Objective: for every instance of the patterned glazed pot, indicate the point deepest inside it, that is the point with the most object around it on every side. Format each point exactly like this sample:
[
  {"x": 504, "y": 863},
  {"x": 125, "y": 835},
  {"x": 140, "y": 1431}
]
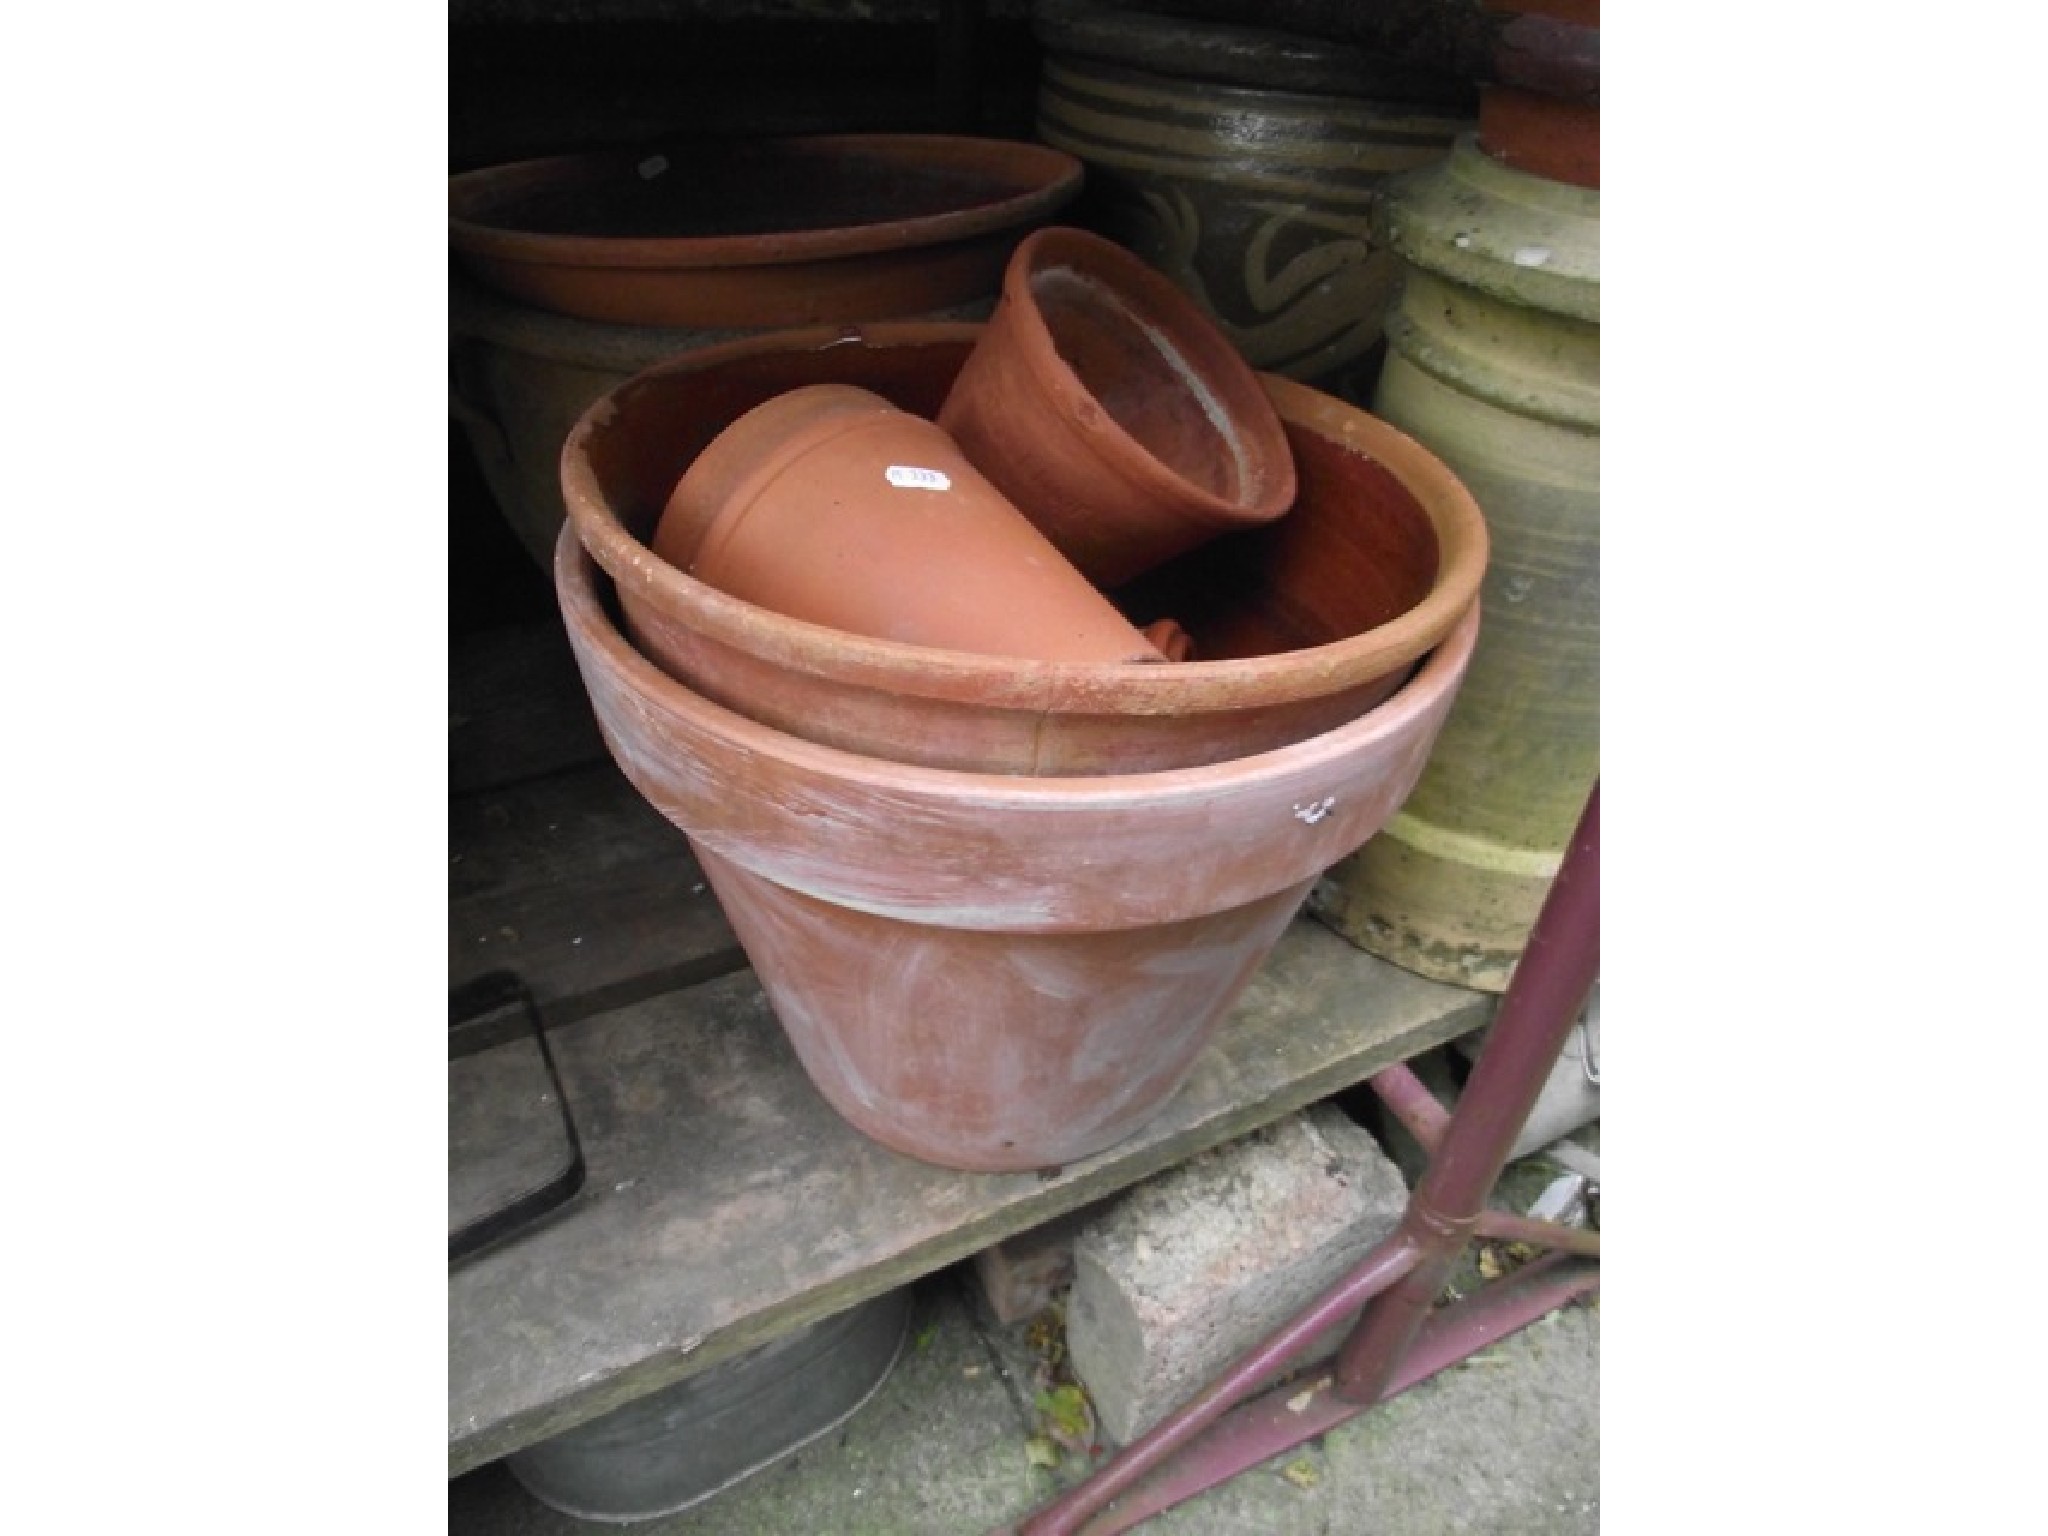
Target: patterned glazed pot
[{"x": 1244, "y": 164}]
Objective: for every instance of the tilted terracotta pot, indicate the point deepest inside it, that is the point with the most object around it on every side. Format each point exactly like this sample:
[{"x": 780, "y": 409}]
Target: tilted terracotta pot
[
  {"x": 987, "y": 971},
  {"x": 1106, "y": 404},
  {"x": 831, "y": 505},
  {"x": 1299, "y": 625}
]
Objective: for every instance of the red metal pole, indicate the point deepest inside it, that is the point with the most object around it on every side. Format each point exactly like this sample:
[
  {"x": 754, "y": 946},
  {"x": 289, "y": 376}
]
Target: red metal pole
[
  {"x": 1409, "y": 1100},
  {"x": 1549, "y": 987},
  {"x": 1063, "y": 1516},
  {"x": 1296, "y": 1412},
  {"x": 1505, "y": 1227}
]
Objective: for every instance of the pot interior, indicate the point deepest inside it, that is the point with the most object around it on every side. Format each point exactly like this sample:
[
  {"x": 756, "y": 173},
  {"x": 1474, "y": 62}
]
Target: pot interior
[
  {"x": 1133, "y": 370},
  {"x": 1356, "y": 551}
]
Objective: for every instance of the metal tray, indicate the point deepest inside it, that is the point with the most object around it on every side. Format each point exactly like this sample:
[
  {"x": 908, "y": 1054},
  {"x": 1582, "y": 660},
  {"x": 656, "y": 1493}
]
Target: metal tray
[{"x": 679, "y": 1446}]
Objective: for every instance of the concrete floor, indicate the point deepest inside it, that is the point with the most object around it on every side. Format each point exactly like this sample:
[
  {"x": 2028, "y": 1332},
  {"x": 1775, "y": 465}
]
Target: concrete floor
[{"x": 1507, "y": 1442}]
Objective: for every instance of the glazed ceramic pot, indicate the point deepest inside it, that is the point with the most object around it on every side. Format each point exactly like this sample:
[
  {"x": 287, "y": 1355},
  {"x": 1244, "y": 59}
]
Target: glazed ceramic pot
[
  {"x": 1298, "y": 626},
  {"x": 1110, "y": 409},
  {"x": 987, "y": 971},
  {"x": 1494, "y": 362},
  {"x": 757, "y": 232},
  {"x": 869, "y": 226},
  {"x": 1244, "y": 164},
  {"x": 831, "y": 505},
  {"x": 518, "y": 379}
]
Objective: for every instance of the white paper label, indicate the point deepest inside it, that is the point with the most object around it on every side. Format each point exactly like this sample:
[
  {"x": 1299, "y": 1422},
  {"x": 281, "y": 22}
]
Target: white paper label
[
  {"x": 653, "y": 166},
  {"x": 912, "y": 478}
]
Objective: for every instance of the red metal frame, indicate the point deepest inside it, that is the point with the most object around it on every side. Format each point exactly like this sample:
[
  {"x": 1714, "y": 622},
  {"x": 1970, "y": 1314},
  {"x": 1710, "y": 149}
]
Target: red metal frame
[{"x": 1401, "y": 1337}]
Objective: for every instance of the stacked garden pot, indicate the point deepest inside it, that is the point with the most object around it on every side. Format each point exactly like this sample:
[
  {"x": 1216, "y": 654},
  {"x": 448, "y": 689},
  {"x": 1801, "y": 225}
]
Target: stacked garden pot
[
  {"x": 573, "y": 273},
  {"x": 1244, "y": 164},
  {"x": 1000, "y": 905},
  {"x": 1494, "y": 364}
]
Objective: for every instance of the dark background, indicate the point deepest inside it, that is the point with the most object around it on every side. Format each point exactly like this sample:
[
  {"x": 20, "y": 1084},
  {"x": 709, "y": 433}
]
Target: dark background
[{"x": 528, "y": 78}]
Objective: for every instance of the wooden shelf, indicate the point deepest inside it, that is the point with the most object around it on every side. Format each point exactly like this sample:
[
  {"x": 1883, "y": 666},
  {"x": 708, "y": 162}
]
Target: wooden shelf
[{"x": 726, "y": 1203}]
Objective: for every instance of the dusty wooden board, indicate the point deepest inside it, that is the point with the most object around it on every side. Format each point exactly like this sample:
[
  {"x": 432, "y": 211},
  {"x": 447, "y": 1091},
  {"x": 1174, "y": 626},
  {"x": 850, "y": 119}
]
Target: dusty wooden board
[
  {"x": 727, "y": 1203},
  {"x": 579, "y": 885},
  {"x": 506, "y": 1135},
  {"x": 516, "y": 707}
]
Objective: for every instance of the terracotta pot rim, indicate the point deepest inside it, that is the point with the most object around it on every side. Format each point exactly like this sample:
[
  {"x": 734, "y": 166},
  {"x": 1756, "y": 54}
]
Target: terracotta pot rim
[
  {"x": 1002, "y": 852},
  {"x": 1222, "y": 368},
  {"x": 968, "y": 792},
  {"x": 1121, "y": 688},
  {"x": 1045, "y": 179}
]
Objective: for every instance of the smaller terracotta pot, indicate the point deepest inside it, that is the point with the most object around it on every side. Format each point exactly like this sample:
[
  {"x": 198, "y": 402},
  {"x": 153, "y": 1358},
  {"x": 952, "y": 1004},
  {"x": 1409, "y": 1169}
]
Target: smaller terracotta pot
[
  {"x": 831, "y": 505},
  {"x": 1557, "y": 140},
  {"x": 1113, "y": 411},
  {"x": 1542, "y": 115}
]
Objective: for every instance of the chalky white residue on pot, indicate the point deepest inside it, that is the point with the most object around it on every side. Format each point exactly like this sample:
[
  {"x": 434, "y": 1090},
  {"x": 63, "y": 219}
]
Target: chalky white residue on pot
[{"x": 1211, "y": 406}]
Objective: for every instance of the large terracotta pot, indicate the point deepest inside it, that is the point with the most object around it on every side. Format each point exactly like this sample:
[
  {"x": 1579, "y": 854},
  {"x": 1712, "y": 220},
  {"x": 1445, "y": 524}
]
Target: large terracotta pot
[
  {"x": 522, "y": 373},
  {"x": 1298, "y": 626},
  {"x": 1495, "y": 363},
  {"x": 987, "y": 971},
  {"x": 1108, "y": 407},
  {"x": 1244, "y": 163},
  {"x": 831, "y": 505}
]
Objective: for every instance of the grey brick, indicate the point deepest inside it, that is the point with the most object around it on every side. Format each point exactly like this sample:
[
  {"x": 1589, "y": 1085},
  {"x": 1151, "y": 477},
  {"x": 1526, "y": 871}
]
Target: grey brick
[{"x": 1190, "y": 1269}]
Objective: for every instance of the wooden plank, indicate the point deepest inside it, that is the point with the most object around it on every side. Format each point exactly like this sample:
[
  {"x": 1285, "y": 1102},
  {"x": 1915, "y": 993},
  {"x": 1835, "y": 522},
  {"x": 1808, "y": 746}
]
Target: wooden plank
[
  {"x": 516, "y": 707},
  {"x": 727, "y": 1203},
  {"x": 583, "y": 888},
  {"x": 506, "y": 1136}
]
